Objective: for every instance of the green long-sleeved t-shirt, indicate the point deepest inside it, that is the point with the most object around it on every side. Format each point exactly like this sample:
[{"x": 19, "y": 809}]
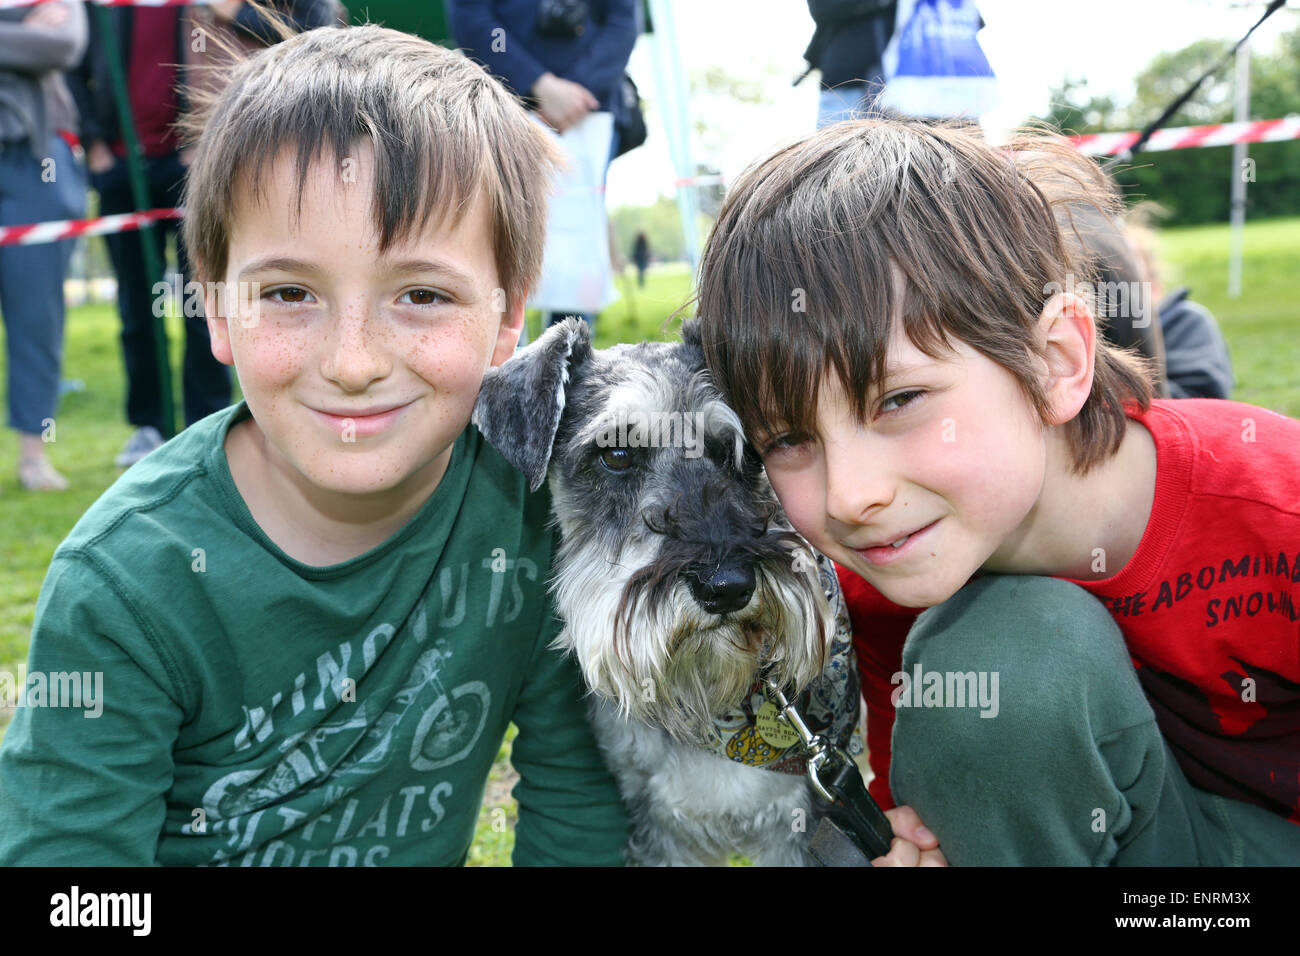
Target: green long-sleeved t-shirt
[{"x": 220, "y": 702}]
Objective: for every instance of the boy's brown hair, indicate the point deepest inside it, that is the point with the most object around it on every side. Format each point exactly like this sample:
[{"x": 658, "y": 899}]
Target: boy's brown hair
[
  {"x": 444, "y": 132},
  {"x": 980, "y": 238}
]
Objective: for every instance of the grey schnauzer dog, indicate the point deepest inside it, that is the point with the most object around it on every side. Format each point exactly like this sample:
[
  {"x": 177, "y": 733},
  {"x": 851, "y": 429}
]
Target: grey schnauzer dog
[{"x": 680, "y": 584}]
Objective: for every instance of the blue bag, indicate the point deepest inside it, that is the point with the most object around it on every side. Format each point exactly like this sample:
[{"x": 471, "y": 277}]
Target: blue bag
[{"x": 934, "y": 65}]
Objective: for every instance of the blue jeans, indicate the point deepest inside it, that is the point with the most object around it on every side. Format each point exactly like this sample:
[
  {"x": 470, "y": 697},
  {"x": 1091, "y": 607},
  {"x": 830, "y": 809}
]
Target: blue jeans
[
  {"x": 31, "y": 276},
  {"x": 848, "y": 101}
]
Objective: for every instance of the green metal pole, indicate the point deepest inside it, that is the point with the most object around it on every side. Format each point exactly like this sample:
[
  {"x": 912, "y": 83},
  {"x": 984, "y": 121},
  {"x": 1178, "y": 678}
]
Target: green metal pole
[{"x": 153, "y": 261}]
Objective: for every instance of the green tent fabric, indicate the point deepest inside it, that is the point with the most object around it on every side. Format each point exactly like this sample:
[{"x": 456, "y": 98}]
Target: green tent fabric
[{"x": 427, "y": 19}]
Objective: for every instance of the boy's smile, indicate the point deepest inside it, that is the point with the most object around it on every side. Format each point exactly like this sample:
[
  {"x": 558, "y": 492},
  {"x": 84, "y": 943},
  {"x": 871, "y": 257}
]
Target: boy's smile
[
  {"x": 948, "y": 466},
  {"x": 360, "y": 370}
]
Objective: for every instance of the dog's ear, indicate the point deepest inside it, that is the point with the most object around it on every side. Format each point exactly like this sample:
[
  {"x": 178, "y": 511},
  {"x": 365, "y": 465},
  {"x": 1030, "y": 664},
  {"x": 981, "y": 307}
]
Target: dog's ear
[
  {"x": 691, "y": 333},
  {"x": 519, "y": 406}
]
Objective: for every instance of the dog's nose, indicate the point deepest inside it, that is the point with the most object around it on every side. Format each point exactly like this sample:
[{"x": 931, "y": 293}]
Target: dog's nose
[{"x": 723, "y": 589}]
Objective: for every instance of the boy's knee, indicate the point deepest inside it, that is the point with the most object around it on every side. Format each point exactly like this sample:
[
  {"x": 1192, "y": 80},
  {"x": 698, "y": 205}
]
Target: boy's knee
[
  {"x": 1012, "y": 664},
  {"x": 1035, "y": 627}
]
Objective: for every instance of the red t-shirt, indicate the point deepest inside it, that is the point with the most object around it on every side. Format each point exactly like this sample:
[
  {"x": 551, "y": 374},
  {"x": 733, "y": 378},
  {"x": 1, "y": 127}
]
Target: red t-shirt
[
  {"x": 1209, "y": 605},
  {"x": 151, "y": 80}
]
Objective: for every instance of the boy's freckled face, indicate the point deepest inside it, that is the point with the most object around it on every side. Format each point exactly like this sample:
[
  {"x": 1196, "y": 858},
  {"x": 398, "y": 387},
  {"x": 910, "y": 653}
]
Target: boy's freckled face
[
  {"x": 341, "y": 330},
  {"x": 952, "y": 457}
]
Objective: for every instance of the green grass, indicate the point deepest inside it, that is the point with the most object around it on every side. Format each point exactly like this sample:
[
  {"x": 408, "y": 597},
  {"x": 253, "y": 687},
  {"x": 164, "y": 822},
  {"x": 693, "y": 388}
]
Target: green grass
[
  {"x": 1260, "y": 326},
  {"x": 494, "y": 836},
  {"x": 91, "y": 427},
  {"x": 639, "y": 314},
  {"x": 89, "y": 430}
]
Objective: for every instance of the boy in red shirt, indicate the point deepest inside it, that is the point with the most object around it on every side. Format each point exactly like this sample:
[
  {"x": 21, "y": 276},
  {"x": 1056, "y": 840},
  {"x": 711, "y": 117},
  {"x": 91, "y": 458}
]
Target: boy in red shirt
[{"x": 1109, "y": 669}]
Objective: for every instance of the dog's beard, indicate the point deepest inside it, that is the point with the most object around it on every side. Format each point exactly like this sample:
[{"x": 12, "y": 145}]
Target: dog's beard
[{"x": 644, "y": 643}]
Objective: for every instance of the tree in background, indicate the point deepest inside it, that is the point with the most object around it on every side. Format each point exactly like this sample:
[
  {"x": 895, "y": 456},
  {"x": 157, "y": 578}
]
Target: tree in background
[
  {"x": 1072, "y": 110},
  {"x": 716, "y": 96},
  {"x": 1193, "y": 183},
  {"x": 1168, "y": 76}
]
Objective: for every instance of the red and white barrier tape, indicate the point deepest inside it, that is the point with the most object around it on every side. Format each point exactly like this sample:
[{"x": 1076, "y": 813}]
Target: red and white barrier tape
[
  {"x": 712, "y": 180},
  {"x": 71, "y": 228},
  {"x": 1185, "y": 137},
  {"x": 1094, "y": 144}
]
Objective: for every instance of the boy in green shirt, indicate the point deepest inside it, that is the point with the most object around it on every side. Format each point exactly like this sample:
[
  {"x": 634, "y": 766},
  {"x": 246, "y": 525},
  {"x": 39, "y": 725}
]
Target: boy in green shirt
[{"x": 307, "y": 620}]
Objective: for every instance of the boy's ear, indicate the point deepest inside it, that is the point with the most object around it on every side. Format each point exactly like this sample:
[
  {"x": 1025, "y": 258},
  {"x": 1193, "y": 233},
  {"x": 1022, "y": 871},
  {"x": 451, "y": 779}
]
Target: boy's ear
[
  {"x": 218, "y": 326},
  {"x": 520, "y": 404},
  {"x": 512, "y": 326},
  {"x": 1069, "y": 336}
]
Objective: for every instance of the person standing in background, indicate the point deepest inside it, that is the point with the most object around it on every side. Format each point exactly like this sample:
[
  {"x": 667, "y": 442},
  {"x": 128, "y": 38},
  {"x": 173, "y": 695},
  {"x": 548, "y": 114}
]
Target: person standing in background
[
  {"x": 847, "y": 47},
  {"x": 918, "y": 58},
  {"x": 41, "y": 179},
  {"x": 564, "y": 58},
  {"x": 641, "y": 256}
]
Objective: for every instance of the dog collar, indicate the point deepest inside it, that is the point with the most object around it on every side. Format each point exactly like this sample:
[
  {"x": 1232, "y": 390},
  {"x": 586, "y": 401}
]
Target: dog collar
[{"x": 754, "y": 733}]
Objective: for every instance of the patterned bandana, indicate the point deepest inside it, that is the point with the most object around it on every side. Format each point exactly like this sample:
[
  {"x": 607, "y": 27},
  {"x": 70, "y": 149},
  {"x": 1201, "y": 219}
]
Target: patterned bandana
[{"x": 754, "y": 733}]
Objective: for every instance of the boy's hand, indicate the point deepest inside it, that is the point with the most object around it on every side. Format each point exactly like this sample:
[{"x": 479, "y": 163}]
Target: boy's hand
[
  {"x": 99, "y": 158},
  {"x": 561, "y": 102},
  {"x": 49, "y": 15},
  {"x": 225, "y": 10},
  {"x": 913, "y": 844}
]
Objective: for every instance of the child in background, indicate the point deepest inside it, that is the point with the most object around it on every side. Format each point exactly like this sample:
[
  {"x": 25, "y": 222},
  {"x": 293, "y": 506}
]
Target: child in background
[
  {"x": 1126, "y": 314},
  {"x": 1197, "y": 361},
  {"x": 894, "y": 312}
]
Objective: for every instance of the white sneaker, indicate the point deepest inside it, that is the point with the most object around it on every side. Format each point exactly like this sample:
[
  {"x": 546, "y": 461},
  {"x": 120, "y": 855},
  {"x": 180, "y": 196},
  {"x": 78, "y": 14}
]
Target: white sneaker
[{"x": 140, "y": 444}]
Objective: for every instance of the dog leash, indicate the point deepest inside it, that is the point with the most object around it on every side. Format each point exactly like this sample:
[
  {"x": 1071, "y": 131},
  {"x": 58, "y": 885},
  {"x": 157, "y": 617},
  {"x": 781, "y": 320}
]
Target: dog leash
[{"x": 855, "y": 830}]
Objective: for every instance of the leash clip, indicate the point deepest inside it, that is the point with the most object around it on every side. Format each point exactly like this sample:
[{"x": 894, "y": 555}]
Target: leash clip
[
  {"x": 862, "y": 821},
  {"x": 818, "y": 747}
]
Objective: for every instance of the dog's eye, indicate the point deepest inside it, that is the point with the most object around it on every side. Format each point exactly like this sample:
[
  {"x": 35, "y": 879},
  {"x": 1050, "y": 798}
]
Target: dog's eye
[{"x": 616, "y": 459}]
